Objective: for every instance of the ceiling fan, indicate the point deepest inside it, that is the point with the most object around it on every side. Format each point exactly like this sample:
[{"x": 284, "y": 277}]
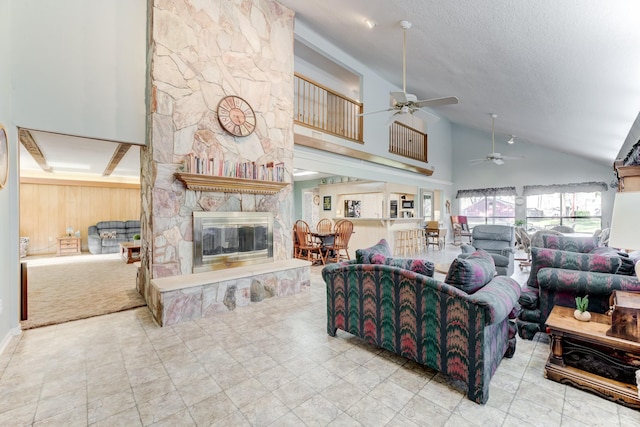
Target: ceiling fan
[
  {"x": 494, "y": 157},
  {"x": 407, "y": 103}
]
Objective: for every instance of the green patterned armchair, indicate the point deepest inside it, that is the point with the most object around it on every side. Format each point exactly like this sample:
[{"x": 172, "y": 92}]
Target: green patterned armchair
[
  {"x": 464, "y": 336},
  {"x": 568, "y": 267}
]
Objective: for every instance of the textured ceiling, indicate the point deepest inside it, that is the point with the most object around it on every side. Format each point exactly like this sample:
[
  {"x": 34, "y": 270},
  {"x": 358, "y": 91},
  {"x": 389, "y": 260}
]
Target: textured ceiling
[{"x": 561, "y": 74}]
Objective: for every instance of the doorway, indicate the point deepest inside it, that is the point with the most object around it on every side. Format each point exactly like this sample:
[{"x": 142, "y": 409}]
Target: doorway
[{"x": 68, "y": 183}]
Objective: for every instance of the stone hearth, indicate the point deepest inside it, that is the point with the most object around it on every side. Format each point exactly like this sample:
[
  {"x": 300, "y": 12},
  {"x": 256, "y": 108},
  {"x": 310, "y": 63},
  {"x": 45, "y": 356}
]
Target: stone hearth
[{"x": 181, "y": 298}]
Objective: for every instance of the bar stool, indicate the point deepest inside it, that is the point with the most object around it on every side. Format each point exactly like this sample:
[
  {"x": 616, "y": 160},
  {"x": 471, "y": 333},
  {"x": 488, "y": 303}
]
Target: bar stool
[
  {"x": 402, "y": 245},
  {"x": 420, "y": 243}
]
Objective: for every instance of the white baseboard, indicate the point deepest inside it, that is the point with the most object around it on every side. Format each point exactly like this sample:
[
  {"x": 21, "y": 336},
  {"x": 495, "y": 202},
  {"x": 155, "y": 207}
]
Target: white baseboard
[{"x": 5, "y": 341}]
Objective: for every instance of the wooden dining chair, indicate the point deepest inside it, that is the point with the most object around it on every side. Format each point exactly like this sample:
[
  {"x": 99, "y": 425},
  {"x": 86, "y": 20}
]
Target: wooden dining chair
[
  {"x": 296, "y": 245},
  {"x": 324, "y": 226},
  {"x": 433, "y": 234},
  {"x": 308, "y": 247},
  {"x": 343, "y": 229}
]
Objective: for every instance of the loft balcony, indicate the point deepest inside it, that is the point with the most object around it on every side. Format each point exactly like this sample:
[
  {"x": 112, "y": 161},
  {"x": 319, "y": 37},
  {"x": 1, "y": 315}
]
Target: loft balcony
[{"x": 321, "y": 108}]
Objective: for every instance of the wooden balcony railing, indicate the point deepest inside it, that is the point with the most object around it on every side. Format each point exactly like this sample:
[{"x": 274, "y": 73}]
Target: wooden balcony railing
[
  {"x": 319, "y": 107},
  {"x": 407, "y": 142}
]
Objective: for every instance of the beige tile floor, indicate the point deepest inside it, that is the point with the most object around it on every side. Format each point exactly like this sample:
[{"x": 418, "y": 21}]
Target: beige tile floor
[{"x": 268, "y": 364}]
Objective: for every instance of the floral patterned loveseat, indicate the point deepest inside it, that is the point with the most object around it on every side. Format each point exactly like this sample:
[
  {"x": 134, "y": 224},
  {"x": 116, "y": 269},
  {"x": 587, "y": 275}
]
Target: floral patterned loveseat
[
  {"x": 395, "y": 304},
  {"x": 567, "y": 267}
]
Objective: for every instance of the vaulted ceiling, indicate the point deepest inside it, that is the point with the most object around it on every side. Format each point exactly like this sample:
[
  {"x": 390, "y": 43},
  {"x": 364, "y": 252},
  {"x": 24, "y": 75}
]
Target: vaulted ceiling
[{"x": 560, "y": 74}]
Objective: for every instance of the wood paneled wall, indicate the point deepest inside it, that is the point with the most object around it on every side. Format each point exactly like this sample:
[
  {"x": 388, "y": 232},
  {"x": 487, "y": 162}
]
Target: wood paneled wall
[{"x": 48, "y": 207}]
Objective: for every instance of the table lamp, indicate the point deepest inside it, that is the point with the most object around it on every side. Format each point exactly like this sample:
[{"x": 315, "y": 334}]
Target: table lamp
[{"x": 625, "y": 228}]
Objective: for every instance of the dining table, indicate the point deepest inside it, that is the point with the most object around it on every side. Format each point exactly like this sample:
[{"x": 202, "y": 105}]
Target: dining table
[{"x": 326, "y": 238}]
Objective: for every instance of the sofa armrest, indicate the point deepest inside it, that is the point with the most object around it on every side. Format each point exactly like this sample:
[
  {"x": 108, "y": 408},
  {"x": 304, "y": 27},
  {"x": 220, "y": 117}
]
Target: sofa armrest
[
  {"x": 507, "y": 251},
  {"x": 467, "y": 249},
  {"x": 94, "y": 243},
  {"x": 93, "y": 231},
  {"x": 499, "y": 297}
]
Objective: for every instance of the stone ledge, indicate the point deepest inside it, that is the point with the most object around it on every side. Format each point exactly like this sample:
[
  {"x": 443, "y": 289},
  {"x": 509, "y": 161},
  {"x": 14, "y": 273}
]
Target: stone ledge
[
  {"x": 172, "y": 283},
  {"x": 193, "y": 296}
]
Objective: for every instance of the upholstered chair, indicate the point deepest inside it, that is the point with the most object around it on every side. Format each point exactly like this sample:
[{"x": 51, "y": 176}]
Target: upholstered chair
[{"x": 499, "y": 241}]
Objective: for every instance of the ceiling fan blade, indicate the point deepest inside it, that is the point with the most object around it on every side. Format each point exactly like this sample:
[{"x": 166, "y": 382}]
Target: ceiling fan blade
[
  {"x": 435, "y": 102},
  {"x": 513, "y": 157},
  {"x": 477, "y": 161},
  {"x": 375, "y": 112},
  {"x": 400, "y": 97}
]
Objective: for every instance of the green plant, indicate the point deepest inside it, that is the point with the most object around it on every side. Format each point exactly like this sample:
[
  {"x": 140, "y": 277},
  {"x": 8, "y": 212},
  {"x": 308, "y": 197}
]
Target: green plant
[
  {"x": 519, "y": 222},
  {"x": 136, "y": 237},
  {"x": 582, "y": 303}
]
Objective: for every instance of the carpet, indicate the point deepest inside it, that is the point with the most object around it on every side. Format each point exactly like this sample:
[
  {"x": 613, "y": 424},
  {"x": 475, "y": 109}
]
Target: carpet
[{"x": 62, "y": 289}]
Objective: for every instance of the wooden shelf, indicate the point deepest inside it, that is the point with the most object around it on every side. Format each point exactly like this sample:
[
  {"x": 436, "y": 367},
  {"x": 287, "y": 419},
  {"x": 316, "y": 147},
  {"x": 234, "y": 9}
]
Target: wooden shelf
[
  {"x": 628, "y": 177},
  {"x": 199, "y": 182}
]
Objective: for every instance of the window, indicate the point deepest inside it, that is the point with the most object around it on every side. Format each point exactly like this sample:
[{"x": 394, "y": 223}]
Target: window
[
  {"x": 427, "y": 206},
  {"x": 488, "y": 209},
  {"x": 580, "y": 211},
  {"x": 488, "y": 205}
]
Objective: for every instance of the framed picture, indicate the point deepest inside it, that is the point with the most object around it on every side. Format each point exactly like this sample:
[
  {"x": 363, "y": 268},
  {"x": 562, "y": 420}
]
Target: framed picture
[
  {"x": 352, "y": 208},
  {"x": 326, "y": 203},
  {"x": 4, "y": 157}
]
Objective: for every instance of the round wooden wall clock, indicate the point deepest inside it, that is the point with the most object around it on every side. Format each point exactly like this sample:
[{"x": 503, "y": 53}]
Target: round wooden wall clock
[{"x": 236, "y": 116}]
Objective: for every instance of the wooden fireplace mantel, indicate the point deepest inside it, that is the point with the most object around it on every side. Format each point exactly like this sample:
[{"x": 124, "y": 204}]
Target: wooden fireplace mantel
[{"x": 199, "y": 182}]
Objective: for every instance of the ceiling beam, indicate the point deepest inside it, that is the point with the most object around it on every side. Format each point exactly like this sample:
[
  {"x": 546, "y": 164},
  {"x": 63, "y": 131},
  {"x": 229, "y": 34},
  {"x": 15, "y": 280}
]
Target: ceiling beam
[
  {"x": 32, "y": 147},
  {"x": 118, "y": 154}
]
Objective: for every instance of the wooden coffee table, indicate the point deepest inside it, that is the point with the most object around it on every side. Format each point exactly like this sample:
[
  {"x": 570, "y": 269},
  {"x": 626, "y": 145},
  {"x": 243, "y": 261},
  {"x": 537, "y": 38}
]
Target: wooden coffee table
[
  {"x": 583, "y": 356},
  {"x": 130, "y": 252}
]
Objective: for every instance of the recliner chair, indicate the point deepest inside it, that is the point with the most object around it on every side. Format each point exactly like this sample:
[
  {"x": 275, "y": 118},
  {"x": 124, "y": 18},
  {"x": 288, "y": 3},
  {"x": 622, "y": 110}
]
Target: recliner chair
[{"x": 499, "y": 241}]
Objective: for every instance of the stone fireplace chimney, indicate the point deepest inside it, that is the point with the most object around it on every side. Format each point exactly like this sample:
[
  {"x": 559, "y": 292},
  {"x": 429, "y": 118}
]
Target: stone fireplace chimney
[{"x": 197, "y": 56}]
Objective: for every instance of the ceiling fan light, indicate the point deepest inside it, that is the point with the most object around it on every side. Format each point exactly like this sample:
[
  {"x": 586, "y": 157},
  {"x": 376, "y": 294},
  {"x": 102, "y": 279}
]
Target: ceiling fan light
[{"x": 510, "y": 141}]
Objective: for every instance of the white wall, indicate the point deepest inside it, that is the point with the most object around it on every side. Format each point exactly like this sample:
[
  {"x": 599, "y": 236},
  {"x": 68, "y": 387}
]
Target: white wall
[
  {"x": 79, "y": 67},
  {"x": 324, "y": 78},
  {"x": 540, "y": 166},
  {"x": 375, "y": 96},
  {"x": 70, "y": 66},
  {"x": 9, "y": 248}
]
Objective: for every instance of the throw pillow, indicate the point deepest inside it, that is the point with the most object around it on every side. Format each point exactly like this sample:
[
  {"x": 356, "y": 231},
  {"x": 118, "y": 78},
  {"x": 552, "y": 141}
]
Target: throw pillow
[
  {"x": 363, "y": 256},
  {"x": 570, "y": 243},
  {"x": 471, "y": 273},
  {"x": 420, "y": 266}
]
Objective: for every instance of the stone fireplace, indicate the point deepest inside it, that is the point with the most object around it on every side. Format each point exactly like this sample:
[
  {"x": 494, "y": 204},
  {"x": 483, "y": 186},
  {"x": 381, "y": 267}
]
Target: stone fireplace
[
  {"x": 231, "y": 239},
  {"x": 199, "y": 53}
]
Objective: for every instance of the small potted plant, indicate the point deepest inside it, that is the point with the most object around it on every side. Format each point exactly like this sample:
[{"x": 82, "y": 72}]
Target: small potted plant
[
  {"x": 136, "y": 238},
  {"x": 581, "y": 312}
]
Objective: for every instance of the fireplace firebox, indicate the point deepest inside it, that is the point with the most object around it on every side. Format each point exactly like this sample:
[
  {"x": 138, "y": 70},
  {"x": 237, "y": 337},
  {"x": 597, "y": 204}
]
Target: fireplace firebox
[{"x": 231, "y": 239}]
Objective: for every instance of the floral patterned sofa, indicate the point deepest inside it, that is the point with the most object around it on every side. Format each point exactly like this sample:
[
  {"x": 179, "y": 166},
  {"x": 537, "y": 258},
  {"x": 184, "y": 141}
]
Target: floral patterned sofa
[
  {"x": 567, "y": 267},
  {"x": 395, "y": 304}
]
